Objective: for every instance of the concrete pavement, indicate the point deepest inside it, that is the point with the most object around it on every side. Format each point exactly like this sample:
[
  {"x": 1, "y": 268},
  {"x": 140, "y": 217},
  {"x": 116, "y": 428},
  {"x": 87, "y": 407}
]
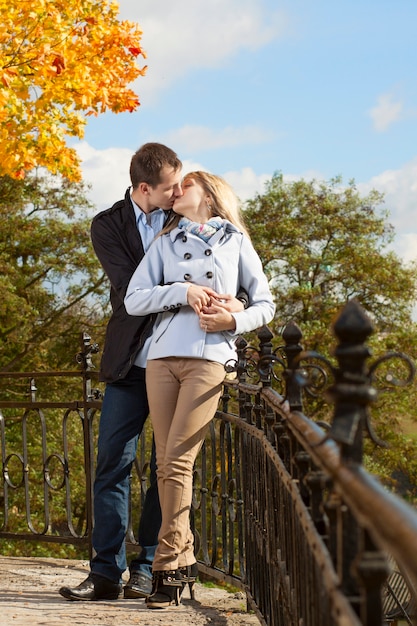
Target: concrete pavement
[{"x": 29, "y": 597}]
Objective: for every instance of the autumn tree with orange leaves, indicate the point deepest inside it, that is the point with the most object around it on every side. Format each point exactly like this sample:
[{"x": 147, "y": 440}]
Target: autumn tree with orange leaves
[{"x": 61, "y": 62}]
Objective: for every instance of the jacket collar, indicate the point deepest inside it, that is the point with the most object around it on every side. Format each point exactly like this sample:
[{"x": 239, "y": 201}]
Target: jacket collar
[{"x": 227, "y": 227}]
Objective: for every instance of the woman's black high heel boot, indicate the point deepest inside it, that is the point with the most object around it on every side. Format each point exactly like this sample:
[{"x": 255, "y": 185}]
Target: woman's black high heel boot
[
  {"x": 166, "y": 590},
  {"x": 189, "y": 575}
]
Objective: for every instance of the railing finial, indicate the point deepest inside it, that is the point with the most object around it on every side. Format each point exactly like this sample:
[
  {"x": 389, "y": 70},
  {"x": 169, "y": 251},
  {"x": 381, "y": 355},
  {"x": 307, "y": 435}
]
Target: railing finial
[
  {"x": 352, "y": 392},
  {"x": 292, "y": 336}
]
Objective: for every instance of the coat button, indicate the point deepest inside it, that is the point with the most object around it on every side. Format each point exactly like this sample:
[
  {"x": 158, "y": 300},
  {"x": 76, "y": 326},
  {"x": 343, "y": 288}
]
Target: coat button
[
  {"x": 184, "y": 238},
  {"x": 187, "y": 276},
  {"x": 209, "y": 274},
  {"x": 187, "y": 255},
  {"x": 166, "y": 308},
  {"x": 207, "y": 252}
]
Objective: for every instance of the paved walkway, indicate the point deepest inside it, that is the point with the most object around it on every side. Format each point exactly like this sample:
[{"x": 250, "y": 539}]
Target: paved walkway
[{"x": 29, "y": 597}]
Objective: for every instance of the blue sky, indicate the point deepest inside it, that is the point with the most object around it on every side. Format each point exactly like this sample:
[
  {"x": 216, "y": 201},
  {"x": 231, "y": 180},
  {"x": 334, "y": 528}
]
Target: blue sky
[{"x": 245, "y": 88}]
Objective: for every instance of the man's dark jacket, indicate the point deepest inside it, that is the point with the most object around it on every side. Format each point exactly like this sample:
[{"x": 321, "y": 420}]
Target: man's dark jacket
[{"x": 118, "y": 246}]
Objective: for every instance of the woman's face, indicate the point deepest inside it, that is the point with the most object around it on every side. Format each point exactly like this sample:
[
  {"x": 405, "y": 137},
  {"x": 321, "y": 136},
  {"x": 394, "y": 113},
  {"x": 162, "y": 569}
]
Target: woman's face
[{"x": 193, "y": 202}]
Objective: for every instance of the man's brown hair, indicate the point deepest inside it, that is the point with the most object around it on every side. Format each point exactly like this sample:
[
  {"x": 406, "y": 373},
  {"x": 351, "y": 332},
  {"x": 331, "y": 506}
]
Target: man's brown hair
[{"x": 147, "y": 163}]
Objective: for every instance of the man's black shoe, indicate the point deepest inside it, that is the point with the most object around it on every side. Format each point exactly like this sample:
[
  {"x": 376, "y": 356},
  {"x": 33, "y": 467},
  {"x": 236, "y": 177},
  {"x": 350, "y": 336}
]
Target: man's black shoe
[
  {"x": 93, "y": 588},
  {"x": 138, "y": 586}
]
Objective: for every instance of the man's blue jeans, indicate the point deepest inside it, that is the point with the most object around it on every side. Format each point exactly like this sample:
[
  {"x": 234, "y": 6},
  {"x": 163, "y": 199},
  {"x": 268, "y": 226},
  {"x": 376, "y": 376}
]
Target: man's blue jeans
[{"x": 124, "y": 411}]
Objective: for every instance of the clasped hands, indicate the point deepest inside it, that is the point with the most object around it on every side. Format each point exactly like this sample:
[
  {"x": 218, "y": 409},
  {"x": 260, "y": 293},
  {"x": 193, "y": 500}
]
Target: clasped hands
[{"x": 213, "y": 309}]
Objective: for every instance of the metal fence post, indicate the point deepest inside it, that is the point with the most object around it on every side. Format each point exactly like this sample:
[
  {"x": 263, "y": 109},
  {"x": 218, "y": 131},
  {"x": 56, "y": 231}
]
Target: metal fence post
[
  {"x": 292, "y": 336},
  {"x": 84, "y": 359},
  {"x": 352, "y": 391},
  {"x": 362, "y": 567}
]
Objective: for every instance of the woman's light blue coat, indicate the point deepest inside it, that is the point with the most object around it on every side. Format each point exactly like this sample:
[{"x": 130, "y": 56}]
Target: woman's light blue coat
[{"x": 160, "y": 283}]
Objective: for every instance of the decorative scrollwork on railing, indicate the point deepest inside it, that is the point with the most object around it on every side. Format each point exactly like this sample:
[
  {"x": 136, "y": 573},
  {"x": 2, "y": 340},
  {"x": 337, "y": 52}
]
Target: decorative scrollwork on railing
[
  {"x": 384, "y": 380},
  {"x": 267, "y": 367},
  {"x": 62, "y": 465},
  {"x": 84, "y": 357},
  {"x": 314, "y": 373},
  {"x": 358, "y": 383},
  {"x": 255, "y": 364},
  {"x": 282, "y": 365},
  {"x": 6, "y": 471},
  {"x": 352, "y": 384},
  {"x": 246, "y": 366}
]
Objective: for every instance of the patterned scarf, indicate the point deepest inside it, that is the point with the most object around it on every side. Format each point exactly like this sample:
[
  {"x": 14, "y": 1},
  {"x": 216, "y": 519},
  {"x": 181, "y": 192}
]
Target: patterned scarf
[{"x": 204, "y": 231}]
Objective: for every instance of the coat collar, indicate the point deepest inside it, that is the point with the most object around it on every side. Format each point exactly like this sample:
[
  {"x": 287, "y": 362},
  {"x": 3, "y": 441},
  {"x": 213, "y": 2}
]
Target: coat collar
[{"x": 227, "y": 227}]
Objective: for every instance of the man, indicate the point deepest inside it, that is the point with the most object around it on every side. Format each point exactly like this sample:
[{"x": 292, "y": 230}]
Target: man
[{"x": 121, "y": 236}]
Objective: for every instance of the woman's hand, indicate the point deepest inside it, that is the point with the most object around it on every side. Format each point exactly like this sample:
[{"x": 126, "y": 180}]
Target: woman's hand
[
  {"x": 199, "y": 297},
  {"x": 217, "y": 319},
  {"x": 227, "y": 301},
  {"x": 214, "y": 310}
]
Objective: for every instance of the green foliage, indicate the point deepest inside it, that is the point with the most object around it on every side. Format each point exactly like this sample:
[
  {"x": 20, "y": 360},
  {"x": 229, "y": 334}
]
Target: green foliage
[
  {"x": 323, "y": 244},
  {"x": 52, "y": 284},
  {"x": 39, "y": 549}
]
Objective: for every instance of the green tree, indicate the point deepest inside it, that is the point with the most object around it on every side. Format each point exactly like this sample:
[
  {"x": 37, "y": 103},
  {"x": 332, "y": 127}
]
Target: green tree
[
  {"x": 322, "y": 243},
  {"x": 52, "y": 284}
]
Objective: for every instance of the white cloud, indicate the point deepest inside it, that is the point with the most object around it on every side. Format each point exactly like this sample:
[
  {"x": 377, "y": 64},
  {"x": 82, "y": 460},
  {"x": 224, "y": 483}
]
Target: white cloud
[
  {"x": 405, "y": 246},
  {"x": 107, "y": 171},
  {"x": 246, "y": 182},
  {"x": 200, "y": 138},
  {"x": 386, "y": 112},
  {"x": 188, "y": 34},
  {"x": 400, "y": 195}
]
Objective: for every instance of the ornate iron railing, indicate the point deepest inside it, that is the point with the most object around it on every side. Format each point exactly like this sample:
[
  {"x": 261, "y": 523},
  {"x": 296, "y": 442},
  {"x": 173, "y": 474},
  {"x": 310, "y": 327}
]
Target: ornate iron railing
[{"x": 282, "y": 505}]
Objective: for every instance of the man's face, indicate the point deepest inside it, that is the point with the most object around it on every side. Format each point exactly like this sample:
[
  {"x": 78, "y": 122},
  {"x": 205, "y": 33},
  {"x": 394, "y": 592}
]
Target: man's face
[{"x": 163, "y": 195}]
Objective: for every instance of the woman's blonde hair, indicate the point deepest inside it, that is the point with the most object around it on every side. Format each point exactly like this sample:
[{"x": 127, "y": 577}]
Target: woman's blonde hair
[{"x": 223, "y": 201}]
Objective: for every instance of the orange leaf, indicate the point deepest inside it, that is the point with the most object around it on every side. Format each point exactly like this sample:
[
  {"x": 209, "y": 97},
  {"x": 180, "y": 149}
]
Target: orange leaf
[
  {"x": 135, "y": 51},
  {"x": 59, "y": 63}
]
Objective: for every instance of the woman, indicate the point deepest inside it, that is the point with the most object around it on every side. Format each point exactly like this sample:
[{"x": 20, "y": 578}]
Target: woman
[{"x": 202, "y": 253}]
